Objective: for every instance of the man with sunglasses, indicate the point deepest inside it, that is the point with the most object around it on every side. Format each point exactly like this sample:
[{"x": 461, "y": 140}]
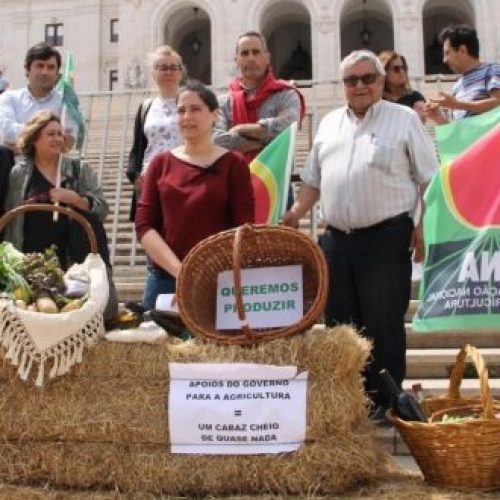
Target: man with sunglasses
[
  {"x": 478, "y": 88},
  {"x": 369, "y": 164}
]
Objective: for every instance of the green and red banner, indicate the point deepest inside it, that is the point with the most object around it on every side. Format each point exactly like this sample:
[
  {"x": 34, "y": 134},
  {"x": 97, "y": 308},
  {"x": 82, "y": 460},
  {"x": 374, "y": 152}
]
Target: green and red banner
[
  {"x": 271, "y": 171},
  {"x": 70, "y": 102},
  {"x": 460, "y": 286}
]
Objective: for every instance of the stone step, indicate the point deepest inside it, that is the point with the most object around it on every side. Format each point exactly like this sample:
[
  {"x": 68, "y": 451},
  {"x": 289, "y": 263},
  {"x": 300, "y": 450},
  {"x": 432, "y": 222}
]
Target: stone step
[
  {"x": 451, "y": 339},
  {"x": 437, "y": 363},
  {"x": 124, "y": 260},
  {"x": 412, "y": 309}
]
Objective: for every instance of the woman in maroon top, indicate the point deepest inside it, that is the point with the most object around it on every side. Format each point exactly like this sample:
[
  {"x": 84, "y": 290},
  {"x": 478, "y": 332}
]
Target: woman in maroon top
[{"x": 190, "y": 192}]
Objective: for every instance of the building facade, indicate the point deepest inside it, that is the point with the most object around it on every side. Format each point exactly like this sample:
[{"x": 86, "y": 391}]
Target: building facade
[{"x": 110, "y": 39}]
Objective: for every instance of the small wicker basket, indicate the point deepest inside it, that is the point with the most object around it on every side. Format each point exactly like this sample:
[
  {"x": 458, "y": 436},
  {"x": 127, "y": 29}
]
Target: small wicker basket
[
  {"x": 462, "y": 455},
  {"x": 453, "y": 398},
  {"x": 248, "y": 246}
]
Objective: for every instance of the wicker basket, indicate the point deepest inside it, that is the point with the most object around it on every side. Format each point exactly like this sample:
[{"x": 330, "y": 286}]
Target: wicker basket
[
  {"x": 248, "y": 246},
  {"x": 463, "y": 455},
  {"x": 32, "y": 338},
  {"x": 453, "y": 398}
]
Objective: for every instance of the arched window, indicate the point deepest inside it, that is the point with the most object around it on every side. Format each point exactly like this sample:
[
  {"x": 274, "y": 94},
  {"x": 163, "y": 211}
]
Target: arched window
[
  {"x": 366, "y": 24},
  {"x": 189, "y": 32},
  {"x": 438, "y": 14},
  {"x": 287, "y": 29}
]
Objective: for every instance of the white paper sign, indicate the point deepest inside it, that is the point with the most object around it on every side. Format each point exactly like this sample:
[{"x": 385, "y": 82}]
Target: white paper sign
[
  {"x": 164, "y": 303},
  {"x": 236, "y": 408},
  {"x": 272, "y": 297}
]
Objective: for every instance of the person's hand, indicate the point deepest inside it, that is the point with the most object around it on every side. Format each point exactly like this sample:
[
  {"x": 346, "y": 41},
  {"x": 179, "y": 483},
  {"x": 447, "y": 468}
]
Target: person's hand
[
  {"x": 253, "y": 131},
  {"x": 445, "y": 101},
  {"x": 290, "y": 219},
  {"x": 417, "y": 243},
  {"x": 69, "y": 140},
  {"x": 433, "y": 112},
  {"x": 420, "y": 108},
  {"x": 68, "y": 197},
  {"x": 139, "y": 181}
]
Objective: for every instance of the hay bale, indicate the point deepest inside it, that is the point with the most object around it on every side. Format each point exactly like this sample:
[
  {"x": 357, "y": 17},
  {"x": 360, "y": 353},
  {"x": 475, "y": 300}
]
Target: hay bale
[{"x": 104, "y": 425}]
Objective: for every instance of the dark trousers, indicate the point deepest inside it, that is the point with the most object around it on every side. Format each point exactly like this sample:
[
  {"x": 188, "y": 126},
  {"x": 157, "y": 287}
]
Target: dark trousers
[{"x": 370, "y": 284}]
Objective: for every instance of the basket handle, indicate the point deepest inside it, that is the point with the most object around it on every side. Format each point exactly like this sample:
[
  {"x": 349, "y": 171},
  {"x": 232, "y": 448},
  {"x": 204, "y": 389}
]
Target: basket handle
[
  {"x": 238, "y": 237},
  {"x": 457, "y": 374},
  {"x": 47, "y": 207}
]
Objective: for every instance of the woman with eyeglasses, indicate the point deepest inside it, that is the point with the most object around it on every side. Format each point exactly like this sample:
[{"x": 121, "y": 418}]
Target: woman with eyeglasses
[
  {"x": 193, "y": 191},
  {"x": 397, "y": 84},
  {"x": 155, "y": 131}
]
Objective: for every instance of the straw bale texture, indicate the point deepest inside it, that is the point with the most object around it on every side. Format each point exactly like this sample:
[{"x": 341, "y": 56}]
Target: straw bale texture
[
  {"x": 105, "y": 426},
  {"x": 402, "y": 485}
]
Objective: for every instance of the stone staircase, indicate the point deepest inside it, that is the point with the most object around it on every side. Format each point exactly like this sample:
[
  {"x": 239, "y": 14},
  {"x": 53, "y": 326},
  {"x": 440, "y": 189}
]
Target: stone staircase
[{"x": 429, "y": 355}]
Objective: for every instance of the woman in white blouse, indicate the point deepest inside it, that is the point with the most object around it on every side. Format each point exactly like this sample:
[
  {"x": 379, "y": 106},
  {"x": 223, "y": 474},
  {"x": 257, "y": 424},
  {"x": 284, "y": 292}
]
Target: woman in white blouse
[{"x": 155, "y": 131}]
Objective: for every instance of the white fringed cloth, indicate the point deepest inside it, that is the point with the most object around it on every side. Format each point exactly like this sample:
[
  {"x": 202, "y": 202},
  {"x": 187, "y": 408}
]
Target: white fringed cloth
[{"x": 33, "y": 338}]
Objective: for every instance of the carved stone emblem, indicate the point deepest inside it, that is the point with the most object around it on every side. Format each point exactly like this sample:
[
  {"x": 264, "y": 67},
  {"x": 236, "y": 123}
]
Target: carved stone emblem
[{"x": 136, "y": 75}]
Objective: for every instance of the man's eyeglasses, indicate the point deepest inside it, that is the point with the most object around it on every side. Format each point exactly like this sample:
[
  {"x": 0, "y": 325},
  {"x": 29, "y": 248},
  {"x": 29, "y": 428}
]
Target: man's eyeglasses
[
  {"x": 168, "y": 67},
  {"x": 396, "y": 68},
  {"x": 366, "y": 79}
]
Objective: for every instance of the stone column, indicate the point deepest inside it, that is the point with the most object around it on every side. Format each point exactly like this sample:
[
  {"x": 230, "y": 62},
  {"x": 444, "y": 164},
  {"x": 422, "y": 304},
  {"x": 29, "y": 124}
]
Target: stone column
[{"x": 408, "y": 37}]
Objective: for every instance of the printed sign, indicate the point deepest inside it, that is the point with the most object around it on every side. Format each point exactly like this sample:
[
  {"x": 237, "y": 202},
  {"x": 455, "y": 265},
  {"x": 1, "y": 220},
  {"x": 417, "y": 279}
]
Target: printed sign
[
  {"x": 460, "y": 286},
  {"x": 236, "y": 408},
  {"x": 272, "y": 297}
]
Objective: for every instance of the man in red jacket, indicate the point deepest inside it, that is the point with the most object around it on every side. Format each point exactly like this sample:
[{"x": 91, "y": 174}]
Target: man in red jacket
[{"x": 258, "y": 106}]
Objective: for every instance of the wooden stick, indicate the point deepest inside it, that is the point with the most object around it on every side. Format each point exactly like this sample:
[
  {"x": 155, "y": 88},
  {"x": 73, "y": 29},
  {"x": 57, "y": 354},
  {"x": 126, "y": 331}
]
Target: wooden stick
[{"x": 55, "y": 216}]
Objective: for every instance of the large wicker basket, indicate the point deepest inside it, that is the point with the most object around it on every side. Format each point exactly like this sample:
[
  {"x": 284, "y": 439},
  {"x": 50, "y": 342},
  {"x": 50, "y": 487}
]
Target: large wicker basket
[
  {"x": 32, "y": 338},
  {"x": 248, "y": 246},
  {"x": 464, "y": 455}
]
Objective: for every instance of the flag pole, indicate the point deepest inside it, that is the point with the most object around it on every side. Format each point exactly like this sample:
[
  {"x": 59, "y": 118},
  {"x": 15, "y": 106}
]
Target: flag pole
[
  {"x": 55, "y": 215},
  {"x": 288, "y": 168}
]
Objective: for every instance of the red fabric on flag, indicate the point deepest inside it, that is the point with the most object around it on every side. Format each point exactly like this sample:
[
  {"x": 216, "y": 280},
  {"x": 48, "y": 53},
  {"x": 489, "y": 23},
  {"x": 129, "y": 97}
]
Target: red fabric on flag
[{"x": 475, "y": 181}]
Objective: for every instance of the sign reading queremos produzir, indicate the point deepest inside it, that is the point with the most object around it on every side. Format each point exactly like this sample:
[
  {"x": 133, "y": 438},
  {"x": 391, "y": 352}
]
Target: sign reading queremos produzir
[
  {"x": 272, "y": 297},
  {"x": 236, "y": 408}
]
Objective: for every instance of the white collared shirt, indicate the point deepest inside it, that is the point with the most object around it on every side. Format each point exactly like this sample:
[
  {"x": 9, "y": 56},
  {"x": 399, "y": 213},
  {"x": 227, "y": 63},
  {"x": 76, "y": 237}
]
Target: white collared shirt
[
  {"x": 369, "y": 170},
  {"x": 18, "y": 106}
]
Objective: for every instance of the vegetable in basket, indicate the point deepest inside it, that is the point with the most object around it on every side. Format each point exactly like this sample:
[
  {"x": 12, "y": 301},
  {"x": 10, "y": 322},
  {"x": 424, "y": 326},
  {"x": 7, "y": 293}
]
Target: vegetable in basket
[{"x": 11, "y": 279}]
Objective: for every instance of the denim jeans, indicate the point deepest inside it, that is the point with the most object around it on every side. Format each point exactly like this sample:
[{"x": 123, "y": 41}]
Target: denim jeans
[{"x": 157, "y": 282}]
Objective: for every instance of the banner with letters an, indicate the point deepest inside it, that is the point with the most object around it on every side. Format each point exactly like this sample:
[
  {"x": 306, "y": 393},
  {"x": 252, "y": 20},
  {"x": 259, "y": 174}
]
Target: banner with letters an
[{"x": 460, "y": 286}]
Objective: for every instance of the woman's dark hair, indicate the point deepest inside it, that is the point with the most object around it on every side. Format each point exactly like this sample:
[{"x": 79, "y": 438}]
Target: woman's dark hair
[
  {"x": 41, "y": 51},
  {"x": 32, "y": 130},
  {"x": 461, "y": 34},
  {"x": 204, "y": 93}
]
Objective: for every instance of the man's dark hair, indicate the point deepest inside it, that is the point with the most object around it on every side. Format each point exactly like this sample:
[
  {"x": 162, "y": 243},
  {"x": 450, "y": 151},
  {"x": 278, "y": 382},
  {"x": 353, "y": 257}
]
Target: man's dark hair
[
  {"x": 204, "y": 93},
  {"x": 461, "y": 34},
  {"x": 255, "y": 34},
  {"x": 41, "y": 51}
]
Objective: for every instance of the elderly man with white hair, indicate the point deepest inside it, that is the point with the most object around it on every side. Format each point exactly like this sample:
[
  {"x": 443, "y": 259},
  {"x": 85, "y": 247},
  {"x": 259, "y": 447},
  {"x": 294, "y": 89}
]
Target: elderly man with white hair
[{"x": 369, "y": 165}]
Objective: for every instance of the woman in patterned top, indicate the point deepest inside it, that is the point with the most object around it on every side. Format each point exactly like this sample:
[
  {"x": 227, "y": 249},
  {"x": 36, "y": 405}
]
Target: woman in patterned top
[{"x": 155, "y": 131}]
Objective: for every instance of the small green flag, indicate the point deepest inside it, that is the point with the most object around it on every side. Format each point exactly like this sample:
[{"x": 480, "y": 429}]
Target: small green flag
[{"x": 70, "y": 99}]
